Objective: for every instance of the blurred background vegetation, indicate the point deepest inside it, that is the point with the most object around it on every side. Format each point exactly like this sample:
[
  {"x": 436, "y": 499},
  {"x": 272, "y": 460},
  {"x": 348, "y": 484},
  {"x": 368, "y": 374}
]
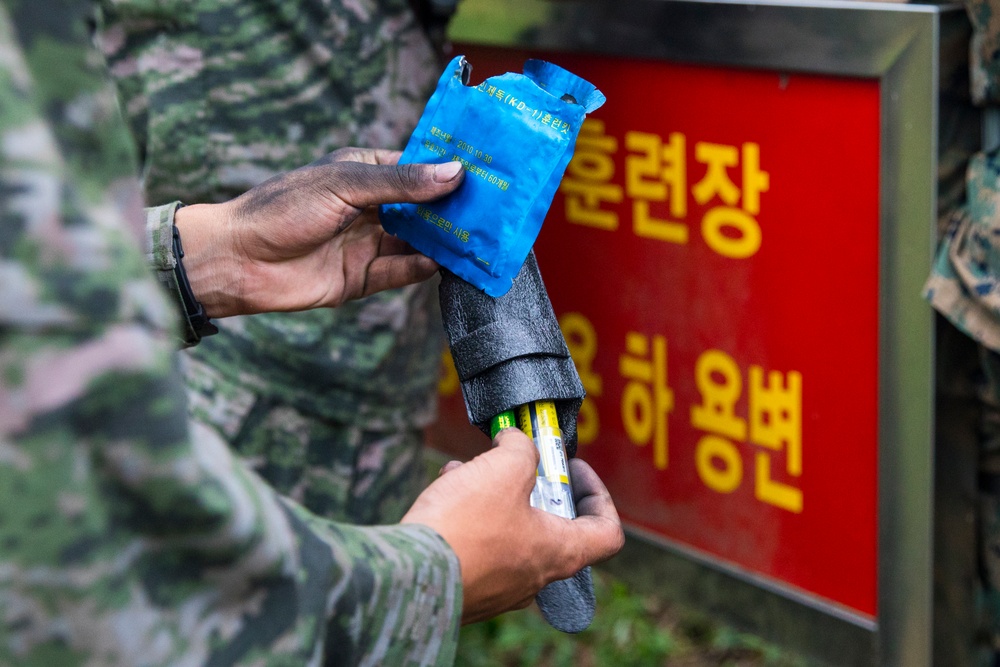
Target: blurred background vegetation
[{"x": 630, "y": 630}]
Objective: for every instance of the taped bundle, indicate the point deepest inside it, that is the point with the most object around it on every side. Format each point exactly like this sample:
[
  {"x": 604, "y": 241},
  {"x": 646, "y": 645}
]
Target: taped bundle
[{"x": 509, "y": 352}]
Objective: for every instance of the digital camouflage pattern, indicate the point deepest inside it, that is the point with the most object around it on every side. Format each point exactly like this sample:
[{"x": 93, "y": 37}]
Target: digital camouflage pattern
[
  {"x": 964, "y": 284},
  {"x": 988, "y": 597},
  {"x": 339, "y": 471},
  {"x": 223, "y": 94},
  {"x": 128, "y": 537},
  {"x": 984, "y": 64}
]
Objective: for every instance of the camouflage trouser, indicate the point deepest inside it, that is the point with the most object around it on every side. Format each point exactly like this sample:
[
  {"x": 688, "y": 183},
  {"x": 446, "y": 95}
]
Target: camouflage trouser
[
  {"x": 989, "y": 496},
  {"x": 966, "y": 502},
  {"x": 338, "y": 471}
]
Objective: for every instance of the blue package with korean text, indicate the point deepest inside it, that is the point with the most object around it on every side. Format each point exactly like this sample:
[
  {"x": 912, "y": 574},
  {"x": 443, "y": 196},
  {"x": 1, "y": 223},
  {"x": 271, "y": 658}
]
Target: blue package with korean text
[{"x": 514, "y": 134}]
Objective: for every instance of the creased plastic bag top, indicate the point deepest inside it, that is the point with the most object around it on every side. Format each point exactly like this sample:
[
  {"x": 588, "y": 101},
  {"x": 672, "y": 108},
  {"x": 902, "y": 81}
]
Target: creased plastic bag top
[{"x": 514, "y": 134}]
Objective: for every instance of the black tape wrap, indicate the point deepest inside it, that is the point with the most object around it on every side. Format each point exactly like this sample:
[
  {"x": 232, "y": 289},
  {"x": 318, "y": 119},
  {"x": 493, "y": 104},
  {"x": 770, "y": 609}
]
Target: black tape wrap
[{"x": 509, "y": 351}]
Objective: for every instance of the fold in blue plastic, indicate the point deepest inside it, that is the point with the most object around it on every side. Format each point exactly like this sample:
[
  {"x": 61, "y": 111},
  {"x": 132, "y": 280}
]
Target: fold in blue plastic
[{"x": 515, "y": 135}]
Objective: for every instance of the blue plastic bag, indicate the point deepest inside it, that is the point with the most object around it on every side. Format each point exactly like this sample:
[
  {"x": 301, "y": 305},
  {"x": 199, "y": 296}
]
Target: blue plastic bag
[{"x": 514, "y": 134}]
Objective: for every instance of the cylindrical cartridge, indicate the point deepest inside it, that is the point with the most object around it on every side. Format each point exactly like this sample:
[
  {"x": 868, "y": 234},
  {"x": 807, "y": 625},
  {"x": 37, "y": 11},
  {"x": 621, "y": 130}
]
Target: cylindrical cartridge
[
  {"x": 505, "y": 419},
  {"x": 553, "y": 492}
]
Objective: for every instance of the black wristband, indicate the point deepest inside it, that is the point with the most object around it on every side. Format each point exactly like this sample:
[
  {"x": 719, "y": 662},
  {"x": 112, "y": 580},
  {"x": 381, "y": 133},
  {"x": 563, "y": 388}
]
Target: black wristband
[{"x": 194, "y": 311}]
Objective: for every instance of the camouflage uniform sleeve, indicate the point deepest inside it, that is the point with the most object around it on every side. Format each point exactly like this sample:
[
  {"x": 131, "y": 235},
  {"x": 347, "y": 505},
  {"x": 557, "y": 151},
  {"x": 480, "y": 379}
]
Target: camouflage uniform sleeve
[
  {"x": 160, "y": 256},
  {"x": 963, "y": 285},
  {"x": 137, "y": 539},
  {"x": 963, "y": 282},
  {"x": 984, "y": 51}
]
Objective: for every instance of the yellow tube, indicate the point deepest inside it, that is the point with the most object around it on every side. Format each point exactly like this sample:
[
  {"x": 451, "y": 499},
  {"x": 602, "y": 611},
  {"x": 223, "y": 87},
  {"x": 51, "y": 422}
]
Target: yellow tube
[{"x": 553, "y": 492}]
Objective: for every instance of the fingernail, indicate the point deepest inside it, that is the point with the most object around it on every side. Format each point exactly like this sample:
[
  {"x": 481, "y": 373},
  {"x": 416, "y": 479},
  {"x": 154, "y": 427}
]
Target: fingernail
[{"x": 447, "y": 171}]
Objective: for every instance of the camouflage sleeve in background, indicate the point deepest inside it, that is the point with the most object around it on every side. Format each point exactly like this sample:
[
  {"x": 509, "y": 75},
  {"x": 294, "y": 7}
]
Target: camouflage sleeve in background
[
  {"x": 224, "y": 94},
  {"x": 984, "y": 51},
  {"x": 327, "y": 405},
  {"x": 125, "y": 537},
  {"x": 963, "y": 285}
]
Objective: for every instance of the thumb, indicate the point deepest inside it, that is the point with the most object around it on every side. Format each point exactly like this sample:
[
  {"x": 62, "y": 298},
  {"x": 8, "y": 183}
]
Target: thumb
[
  {"x": 362, "y": 185},
  {"x": 517, "y": 452},
  {"x": 598, "y": 528}
]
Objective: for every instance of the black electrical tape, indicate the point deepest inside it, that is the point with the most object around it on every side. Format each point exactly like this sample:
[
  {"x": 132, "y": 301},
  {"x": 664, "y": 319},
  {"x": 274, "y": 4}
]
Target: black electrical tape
[
  {"x": 509, "y": 351},
  {"x": 569, "y": 604}
]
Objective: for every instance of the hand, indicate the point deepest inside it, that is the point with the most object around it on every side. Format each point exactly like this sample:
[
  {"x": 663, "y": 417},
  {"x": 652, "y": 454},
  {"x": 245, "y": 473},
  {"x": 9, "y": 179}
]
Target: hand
[
  {"x": 311, "y": 237},
  {"x": 507, "y": 549}
]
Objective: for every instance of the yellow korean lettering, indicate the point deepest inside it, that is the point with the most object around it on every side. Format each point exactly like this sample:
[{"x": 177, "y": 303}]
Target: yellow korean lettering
[
  {"x": 651, "y": 168},
  {"x": 592, "y": 138},
  {"x": 592, "y": 165},
  {"x": 587, "y": 184},
  {"x": 581, "y": 339},
  {"x": 645, "y": 225},
  {"x": 775, "y": 416},
  {"x": 718, "y": 380},
  {"x": 642, "y": 167},
  {"x": 775, "y": 411},
  {"x": 449, "y": 383},
  {"x": 655, "y": 172},
  {"x": 583, "y": 202},
  {"x": 719, "y": 464},
  {"x": 716, "y": 182},
  {"x": 773, "y": 492},
  {"x": 755, "y": 181},
  {"x": 646, "y": 399},
  {"x": 744, "y": 242}
]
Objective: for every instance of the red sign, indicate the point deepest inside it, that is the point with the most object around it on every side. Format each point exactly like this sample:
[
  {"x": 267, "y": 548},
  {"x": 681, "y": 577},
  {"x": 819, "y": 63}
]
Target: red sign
[{"x": 713, "y": 258}]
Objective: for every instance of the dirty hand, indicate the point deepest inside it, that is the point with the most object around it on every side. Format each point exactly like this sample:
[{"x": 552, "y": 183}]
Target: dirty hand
[{"x": 310, "y": 237}]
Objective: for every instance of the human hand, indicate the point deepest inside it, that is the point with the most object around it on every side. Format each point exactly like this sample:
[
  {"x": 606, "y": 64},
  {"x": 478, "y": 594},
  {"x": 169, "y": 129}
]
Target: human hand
[
  {"x": 310, "y": 237},
  {"x": 507, "y": 549}
]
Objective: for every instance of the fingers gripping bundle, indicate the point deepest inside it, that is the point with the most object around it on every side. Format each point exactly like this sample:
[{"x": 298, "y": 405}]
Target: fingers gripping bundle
[
  {"x": 509, "y": 352},
  {"x": 514, "y": 134}
]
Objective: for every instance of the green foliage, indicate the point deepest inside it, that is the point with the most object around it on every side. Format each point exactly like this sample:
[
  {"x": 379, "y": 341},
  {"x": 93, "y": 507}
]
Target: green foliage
[
  {"x": 624, "y": 632},
  {"x": 486, "y": 22},
  {"x": 629, "y": 630}
]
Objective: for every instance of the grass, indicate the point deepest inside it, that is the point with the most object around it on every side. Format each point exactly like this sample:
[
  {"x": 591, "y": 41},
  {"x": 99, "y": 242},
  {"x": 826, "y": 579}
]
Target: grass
[
  {"x": 482, "y": 21},
  {"x": 629, "y": 630}
]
